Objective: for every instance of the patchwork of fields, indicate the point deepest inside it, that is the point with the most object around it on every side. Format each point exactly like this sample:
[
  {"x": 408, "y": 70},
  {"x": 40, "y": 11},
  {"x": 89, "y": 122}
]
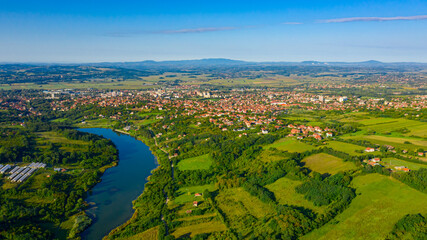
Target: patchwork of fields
[{"x": 388, "y": 125}]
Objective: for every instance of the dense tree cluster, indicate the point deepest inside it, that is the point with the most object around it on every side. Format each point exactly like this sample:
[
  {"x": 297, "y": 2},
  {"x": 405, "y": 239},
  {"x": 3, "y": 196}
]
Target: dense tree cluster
[{"x": 411, "y": 226}]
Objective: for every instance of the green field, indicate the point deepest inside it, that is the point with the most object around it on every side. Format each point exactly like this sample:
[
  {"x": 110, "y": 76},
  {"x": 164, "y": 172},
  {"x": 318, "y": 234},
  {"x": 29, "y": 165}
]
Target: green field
[
  {"x": 380, "y": 202},
  {"x": 392, "y": 162},
  {"x": 196, "y": 217},
  {"x": 270, "y": 156},
  {"x": 195, "y": 163},
  {"x": 68, "y": 144},
  {"x": 206, "y": 227},
  {"x": 325, "y": 163},
  {"x": 388, "y": 125},
  {"x": 400, "y": 140},
  {"x": 345, "y": 147},
  {"x": 284, "y": 190},
  {"x": 397, "y": 142},
  {"x": 186, "y": 194},
  {"x": 150, "y": 234},
  {"x": 238, "y": 202},
  {"x": 98, "y": 123},
  {"x": 290, "y": 145}
]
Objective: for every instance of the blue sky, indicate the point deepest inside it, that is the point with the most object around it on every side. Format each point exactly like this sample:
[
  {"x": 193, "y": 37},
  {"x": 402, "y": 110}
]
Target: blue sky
[{"x": 97, "y": 31}]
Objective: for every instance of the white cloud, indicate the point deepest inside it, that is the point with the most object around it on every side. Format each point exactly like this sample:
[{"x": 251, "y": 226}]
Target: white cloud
[{"x": 373, "y": 19}]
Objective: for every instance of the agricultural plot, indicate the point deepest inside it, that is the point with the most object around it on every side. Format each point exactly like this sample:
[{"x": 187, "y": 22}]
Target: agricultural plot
[
  {"x": 392, "y": 162},
  {"x": 196, "y": 217},
  {"x": 150, "y": 234},
  {"x": 67, "y": 144},
  {"x": 54, "y": 137},
  {"x": 206, "y": 227},
  {"x": 195, "y": 163},
  {"x": 269, "y": 156},
  {"x": 345, "y": 147},
  {"x": 238, "y": 202},
  {"x": 98, "y": 123},
  {"x": 186, "y": 194},
  {"x": 284, "y": 190},
  {"x": 380, "y": 202},
  {"x": 290, "y": 145},
  {"x": 325, "y": 163},
  {"x": 388, "y": 125},
  {"x": 411, "y": 144}
]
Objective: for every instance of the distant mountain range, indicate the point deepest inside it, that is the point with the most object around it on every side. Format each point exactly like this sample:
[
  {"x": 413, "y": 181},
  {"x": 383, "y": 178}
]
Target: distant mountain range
[
  {"x": 218, "y": 62},
  {"x": 223, "y": 62}
]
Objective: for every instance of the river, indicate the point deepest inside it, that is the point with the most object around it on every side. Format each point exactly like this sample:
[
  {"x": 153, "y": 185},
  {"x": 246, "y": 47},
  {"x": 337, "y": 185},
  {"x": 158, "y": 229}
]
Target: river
[{"x": 111, "y": 199}]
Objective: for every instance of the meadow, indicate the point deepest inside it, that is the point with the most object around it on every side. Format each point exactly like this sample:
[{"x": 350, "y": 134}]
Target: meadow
[
  {"x": 284, "y": 191},
  {"x": 380, "y": 202},
  {"x": 325, "y": 163},
  {"x": 345, "y": 147},
  {"x": 150, "y": 234},
  {"x": 290, "y": 145},
  {"x": 410, "y": 144},
  {"x": 392, "y": 162},
  {"x": 238, "y": 202},
  {"x": 186, "y": 194},
  {"x": 192, "y": 230},
  {"x": 98, "y": 123},
  {"x": 66, "y": 144},
  {"x": 388, "y": 125},
  {"x": 195, "y": 163}
]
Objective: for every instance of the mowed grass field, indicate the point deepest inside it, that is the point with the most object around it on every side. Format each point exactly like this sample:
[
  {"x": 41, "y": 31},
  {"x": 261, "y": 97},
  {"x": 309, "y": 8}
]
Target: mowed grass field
[
  {"x": 284, "y": 190},
  {"x": 325, "y": 163},
  {"x": 345, "y": 147},
  {"x": 195, "y": 163},
  {"x": 186, "y": 194},
  {"x": 192, "y": 230},
  {"x": 290, "y": 145},
  {"x": 380, "y": 202}
]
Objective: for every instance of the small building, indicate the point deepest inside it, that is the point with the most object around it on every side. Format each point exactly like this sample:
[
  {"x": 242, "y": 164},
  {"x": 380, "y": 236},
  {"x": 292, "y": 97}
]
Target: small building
[
  {"x": 329, "y": 134},
  {"x": 295, "y": 131},
  {"x": 376, "y": 160},
  {"x": 370, "y": 149},
  {"x": 197, "y": 195},
  {"x": 195, "y": 203}
]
